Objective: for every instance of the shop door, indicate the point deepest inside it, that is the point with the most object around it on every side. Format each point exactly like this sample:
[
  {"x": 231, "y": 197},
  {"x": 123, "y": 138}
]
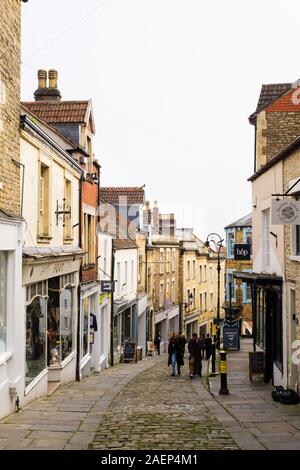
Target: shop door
[
  {"x": 274, "y": 352},
  {"x": 293, "y": 367}
]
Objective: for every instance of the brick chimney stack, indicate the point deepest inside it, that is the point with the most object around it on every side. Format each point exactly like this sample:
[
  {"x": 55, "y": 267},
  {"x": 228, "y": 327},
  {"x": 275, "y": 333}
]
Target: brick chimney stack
[{"x": 45, "y": 93}]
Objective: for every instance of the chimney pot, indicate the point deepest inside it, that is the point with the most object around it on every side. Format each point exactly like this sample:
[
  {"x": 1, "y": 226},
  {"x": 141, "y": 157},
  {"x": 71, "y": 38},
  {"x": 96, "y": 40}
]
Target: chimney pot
[
  {"x": 53, "y": 76},
  {"x": 42, "y": 79}
]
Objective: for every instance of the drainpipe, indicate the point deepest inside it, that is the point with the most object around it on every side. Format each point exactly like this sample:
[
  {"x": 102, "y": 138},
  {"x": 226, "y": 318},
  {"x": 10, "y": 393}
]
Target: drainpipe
[{"x": 78, "y": 374}]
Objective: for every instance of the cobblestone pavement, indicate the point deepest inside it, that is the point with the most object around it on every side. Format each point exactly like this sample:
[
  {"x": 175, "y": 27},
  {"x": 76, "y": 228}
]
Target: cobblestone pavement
[{"x": 157, "y": 411}]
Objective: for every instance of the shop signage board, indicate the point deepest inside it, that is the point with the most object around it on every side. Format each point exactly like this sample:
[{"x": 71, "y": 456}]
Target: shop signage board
[
  {"x": 256, "y": 363},
  {"x": 285, "y": 211},
  {"x": 130, "y": 353},
  {"x": 107, "y": 286},
  {"x": 242, "y": 251},
  {"x": 231, "y": 338}
]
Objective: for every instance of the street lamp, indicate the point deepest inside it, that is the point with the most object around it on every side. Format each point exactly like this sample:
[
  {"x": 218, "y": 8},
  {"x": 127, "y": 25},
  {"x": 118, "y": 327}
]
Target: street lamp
[{"x": 216, "y": 240}]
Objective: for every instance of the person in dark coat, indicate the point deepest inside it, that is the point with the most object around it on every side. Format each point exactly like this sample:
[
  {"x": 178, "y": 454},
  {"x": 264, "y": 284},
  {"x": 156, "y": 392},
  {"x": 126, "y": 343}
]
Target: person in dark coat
[
  {"x": 182, "y": 343},
  {"x": 175, "y": 354},
  {"x": 195, "y": 362},
  {"x": 157, "y": 341},
  {"x": 202, "y": 346},
  {"x": 208, "y": 346}
]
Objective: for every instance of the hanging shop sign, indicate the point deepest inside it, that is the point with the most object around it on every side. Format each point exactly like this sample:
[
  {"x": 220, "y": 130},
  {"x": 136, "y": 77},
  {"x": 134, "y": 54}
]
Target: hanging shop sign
[
  {"x": 107, "y": 286},
  {"x": 285, "y": 211},
  {"x": 242, "y": 252}
]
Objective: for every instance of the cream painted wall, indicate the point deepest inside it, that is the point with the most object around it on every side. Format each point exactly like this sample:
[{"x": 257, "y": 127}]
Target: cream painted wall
[{"x": 32, "y": 153}]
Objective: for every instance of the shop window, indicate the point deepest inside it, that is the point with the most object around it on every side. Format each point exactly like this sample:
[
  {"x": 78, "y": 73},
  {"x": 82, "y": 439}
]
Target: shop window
[
  {"x": 3, "y": 295},
  {"x": 85, "y": 327},
  {"x": 36, "y": 320},
  {"x": 60, "y": 316}
]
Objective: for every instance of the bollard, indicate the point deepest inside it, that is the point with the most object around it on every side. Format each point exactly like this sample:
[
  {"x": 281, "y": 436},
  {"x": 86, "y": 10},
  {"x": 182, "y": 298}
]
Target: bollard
[
  {"x": 223, "y": 371},
  {"x": 213, "y": 358}
]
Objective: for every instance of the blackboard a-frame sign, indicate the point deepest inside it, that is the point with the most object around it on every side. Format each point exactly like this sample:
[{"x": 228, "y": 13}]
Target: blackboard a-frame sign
[
  {"x": 130, "y": 353},
  {"x": 256, "y": 363}
]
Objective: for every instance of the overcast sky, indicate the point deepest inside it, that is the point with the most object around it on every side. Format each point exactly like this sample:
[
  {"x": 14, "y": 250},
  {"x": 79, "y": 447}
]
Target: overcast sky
[{"x": 173, "y": 83}]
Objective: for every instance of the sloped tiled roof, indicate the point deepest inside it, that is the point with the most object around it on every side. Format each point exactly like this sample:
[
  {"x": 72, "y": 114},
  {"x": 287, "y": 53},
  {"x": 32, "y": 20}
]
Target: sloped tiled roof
[
  {"x": 268, "y": 94},
  {"x": 59, "y": 111},
  {"x": 245, "y": 221},
  {"x": 112, "y": 195}
]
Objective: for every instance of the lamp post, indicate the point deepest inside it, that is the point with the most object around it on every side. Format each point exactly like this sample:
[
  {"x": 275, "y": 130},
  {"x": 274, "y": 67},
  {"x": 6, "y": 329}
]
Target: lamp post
[{"x": 216, "y": 240}]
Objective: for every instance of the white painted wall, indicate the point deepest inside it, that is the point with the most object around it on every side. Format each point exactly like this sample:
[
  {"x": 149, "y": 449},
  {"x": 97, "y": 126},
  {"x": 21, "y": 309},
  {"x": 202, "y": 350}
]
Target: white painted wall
[
  {"x": 12, "y": 361},
  {"x": 126, "y": 292}
]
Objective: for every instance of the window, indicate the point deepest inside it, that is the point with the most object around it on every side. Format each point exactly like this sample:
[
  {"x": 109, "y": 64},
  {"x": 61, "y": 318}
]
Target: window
[
  {"x": 194, "y": 269},
  {"x": 205, "y": 278},
  {"x": 168, "y": 261},
  {"x": 247, "y": 293},
  {"x": 194, "y": 298},
  {"x": 118, "y": 279},
  {"x": 3, "y": 299},
  {"x": 201, "y": 303},
  {"x": 230, "y": 286},
  {"x": 68, "y": 201},
  {"x": 126, "y": 277},
  {"x": 161, "y": 261},
  {"x": 44, "y": 201},
  {"x": 249, "y": 239},
  {"x": 168, "y": 290},
  {"x": 173, "y": 259},
  {"x": 89, "y": 239},
  {"x": 211, "y": 301},
  {"x": 85, "y": 327},
  {"x": 205, "y": 301},
  {"x": 132, "y": 275},
  {"x": 173, "y": 291},
  {"x": 297, "y": 240},
  {"x": 161, "y": 295},
  {"x": 210, "y": 275},
  {"x": 266, "y": 237},
  {"x": 188, "y": 270},
  {"x": 230, "y": 245},
  {"x": 200, "y": 274}
]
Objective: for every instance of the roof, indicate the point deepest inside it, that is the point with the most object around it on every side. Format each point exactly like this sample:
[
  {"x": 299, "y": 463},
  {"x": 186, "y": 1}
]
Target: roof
[
  {"x": 61, "y": 111},
  {"x": 45, "y": 252},
  {"x": 112, "y": 195},
  {"x": 245, "y": 221},
  {"x": 268, "y": 94},
  {"x": 284, "y": 153}
]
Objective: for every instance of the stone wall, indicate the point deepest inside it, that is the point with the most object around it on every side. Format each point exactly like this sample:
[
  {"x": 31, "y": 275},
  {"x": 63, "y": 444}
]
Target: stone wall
[{"x": 10, "y": 38}]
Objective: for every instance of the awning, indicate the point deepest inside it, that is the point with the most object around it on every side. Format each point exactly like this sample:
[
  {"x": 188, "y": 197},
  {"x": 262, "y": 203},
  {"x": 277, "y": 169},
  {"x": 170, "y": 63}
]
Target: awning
[{"x": 259, "y": 278}]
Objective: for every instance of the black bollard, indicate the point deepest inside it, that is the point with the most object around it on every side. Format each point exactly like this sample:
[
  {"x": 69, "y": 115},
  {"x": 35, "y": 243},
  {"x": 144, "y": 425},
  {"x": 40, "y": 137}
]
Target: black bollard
[
  {"x": 213, "y": 358},
  {"x": 223, "y": 371}
]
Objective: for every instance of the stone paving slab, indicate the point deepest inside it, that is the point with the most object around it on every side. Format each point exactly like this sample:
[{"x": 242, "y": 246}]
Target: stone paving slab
[{"x": 271, "y": 425}]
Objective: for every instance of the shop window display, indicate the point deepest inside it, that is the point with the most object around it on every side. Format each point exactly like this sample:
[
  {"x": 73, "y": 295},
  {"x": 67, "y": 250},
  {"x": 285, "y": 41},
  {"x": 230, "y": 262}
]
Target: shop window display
[
  {"x": 36, "y": 318},
  {"x": 59, "y": 322},
  {"x": 85, "y": 326},
  {"x": 3, "y": 287}
]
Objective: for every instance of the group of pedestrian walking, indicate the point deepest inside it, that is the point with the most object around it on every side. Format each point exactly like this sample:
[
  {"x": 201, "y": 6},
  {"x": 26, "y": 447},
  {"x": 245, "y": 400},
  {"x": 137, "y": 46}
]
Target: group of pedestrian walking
[{"x": 198, "y": 348}]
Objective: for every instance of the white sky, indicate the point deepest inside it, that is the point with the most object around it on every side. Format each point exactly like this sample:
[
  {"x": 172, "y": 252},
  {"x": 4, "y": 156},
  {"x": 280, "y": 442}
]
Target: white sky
[{"x": 173, "y": 83}]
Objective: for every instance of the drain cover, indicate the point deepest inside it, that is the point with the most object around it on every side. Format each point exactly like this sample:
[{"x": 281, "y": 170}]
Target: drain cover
[{"x": 241, "y": 406}]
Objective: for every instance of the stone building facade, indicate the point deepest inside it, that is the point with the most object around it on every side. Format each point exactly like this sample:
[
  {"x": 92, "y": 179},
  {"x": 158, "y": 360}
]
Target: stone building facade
[{"x": 239, "y": 232}]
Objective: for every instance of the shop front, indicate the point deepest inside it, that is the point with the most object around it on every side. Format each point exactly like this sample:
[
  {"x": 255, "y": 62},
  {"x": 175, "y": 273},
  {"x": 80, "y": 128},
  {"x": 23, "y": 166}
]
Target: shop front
[
  {"x": 266, "y": 293},
  {"x": 142, "y": 322},
  {"x": 125, "y": 325},
  {"x": 89, "y": 328},
  {"x": 166, "y": 322},
  {"x": 101, "y": 330},
  {"x": 191, "y": 324},
  {"x": 51, "y": 322}
]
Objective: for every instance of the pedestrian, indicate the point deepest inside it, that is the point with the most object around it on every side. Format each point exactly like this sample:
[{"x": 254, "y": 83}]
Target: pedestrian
[
  {"x": 202, "y": 346},
  {"x": 182, "y": 343},
  {"x": 208, "y": 346},
  {"x": 175, "y": 354},
  {"x": 157, "y": 340},
  {"x": 195, "y": 362}
]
